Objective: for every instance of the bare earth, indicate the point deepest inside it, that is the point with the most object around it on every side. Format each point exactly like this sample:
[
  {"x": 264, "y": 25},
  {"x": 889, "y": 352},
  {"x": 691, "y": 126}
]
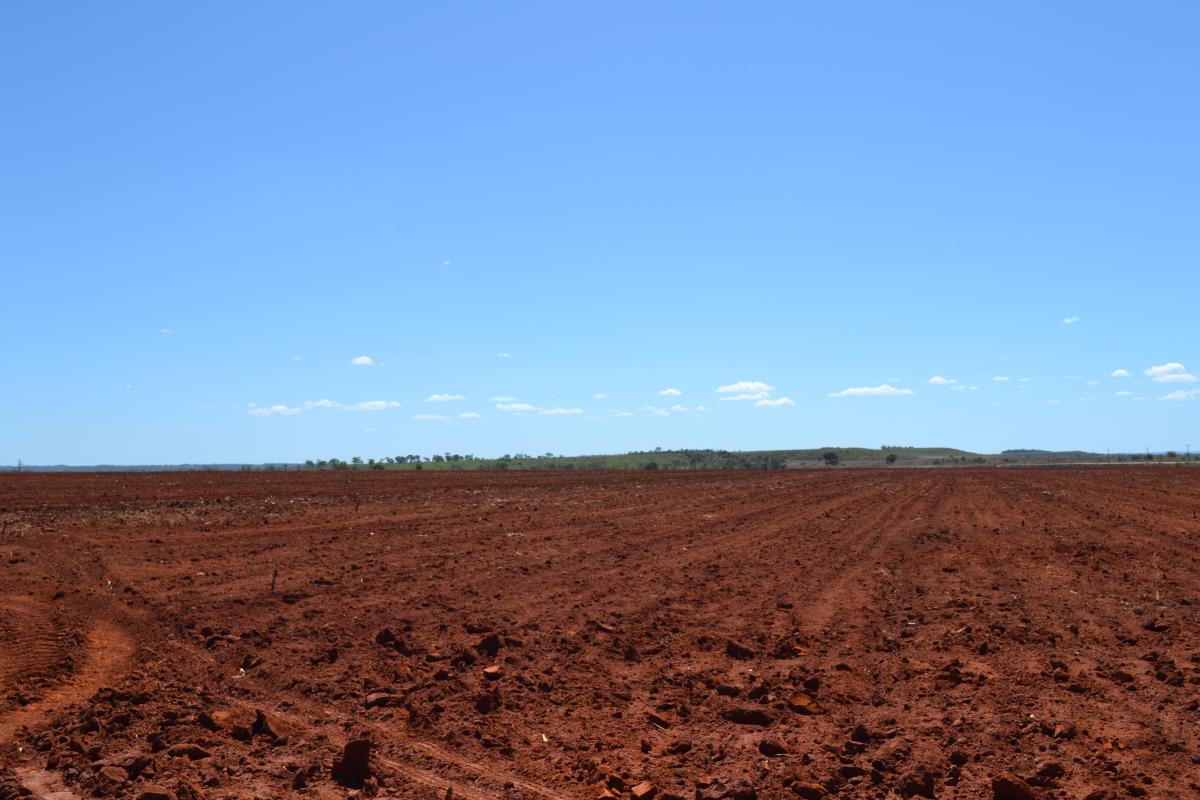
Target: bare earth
[{"x": 968, "y": 633}]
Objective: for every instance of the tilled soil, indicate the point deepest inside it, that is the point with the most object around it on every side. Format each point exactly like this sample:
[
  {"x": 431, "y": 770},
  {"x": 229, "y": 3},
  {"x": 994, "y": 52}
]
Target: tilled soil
[{"x": 971, "y": 633}]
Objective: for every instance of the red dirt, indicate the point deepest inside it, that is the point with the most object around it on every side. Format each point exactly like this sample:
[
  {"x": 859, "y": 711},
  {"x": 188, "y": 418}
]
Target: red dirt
[{"x": 948, "y": 633}]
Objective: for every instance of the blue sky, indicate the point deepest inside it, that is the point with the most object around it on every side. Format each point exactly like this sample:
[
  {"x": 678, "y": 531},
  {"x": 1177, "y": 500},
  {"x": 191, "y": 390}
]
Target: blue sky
[{"x": 207, "y": 211}]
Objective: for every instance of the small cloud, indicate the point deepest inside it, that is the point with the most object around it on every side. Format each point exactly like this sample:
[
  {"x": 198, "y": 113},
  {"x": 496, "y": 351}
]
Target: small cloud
[
  {"x": 165, "y": 331},
  {"x": 960, "y": 388},
  {"x": 363, "y": 361},
  {"x": 469, "y": 415},
  {"x": 1119, "y": 373},
  {"x": 778, "y": 402},
  {"x": 745, "y": 386},
  {"x": 1093, "y": 383},
  {"x": 1002, "y": 378},
  {"x": 444, "y": 398},
  {"x": 1071, "y": 320},
  {"x": 749, "y": 396},
  {"x": 374, "y": 405},
  {"x": 503, "y": 355},
  {"x": 1122, "y": 393},
  {"x": 660, "y": 412},
  {"x": 974, "y": 388},
  {"x": 297, "y": 358},
  {"x": 517, "y": 407},
  {"x": 559, "y": 412},
  {"x": 1173, "y": 372},
  {"x": 430, "y": 417},
  {"x": 275, "y": 411},
  {"x": 669, "y": 393},
  {"x": 600, "y": 396},
  {"x": 938, "y": 380},
  {"x": 502, "y": 399},
  {"x": 1180, "y": 394},
  {"x": 1024, "y": 380},
  {"x": 678, "y": 409},
  {"x": 871, "y": 391},
  {"x": 623, "y": 414},
  {"x": 322, "y": 404}
]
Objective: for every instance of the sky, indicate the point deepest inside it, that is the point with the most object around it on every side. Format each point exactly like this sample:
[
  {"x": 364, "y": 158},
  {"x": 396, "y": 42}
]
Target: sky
[{"x": 237, "y": 232}]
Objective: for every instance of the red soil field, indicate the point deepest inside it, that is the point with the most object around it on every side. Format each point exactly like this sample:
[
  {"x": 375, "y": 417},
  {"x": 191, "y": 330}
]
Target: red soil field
[{"x": 968, "y": 633}]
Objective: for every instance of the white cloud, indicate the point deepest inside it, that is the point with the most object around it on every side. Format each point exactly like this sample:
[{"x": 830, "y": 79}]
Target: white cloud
[
  {"x": 870, "y": 391},
  {"x": 322, "y": 404},
  {"x": 1071, "y": 320},
  {"x": 559, "y": 412},
  {"x": 938, "y": 380},
  {"x": 444, "y": 398},
  {"x": 275, "y": 411},
  {"x": 502, "y": 399},
  {"x": 373, "y": 405},
  {"x": 1119, "y": 373},
  {"x": 503, "y": 355},
  {"x": 1002, "y": 378},
  {"x": 515, "y": 407},
  {"x": 660, "y": 412},
  {"x": 1180, "y": 394},
  {"x": 778, "y": 402},
  {"x": 363, "y": 361},
  {"x": 165, "y": 331},
  {"x": 469, "y": 415},
  {"x": 1173, "y": 372},
  {"x": 974, "y": 388},
  {"x": 749, "y": 396},
  {"x": 700, "y": 408},
  {"x": 623, "y": 414},
  {"x": 430, "y": 417},
  {"x": 1122, "y": 394},
  {"x": 669, "y": 393},
  {"x": 960, "y": 388},
  {"x": 1093, "y": 383},
  {"x": 600, "y": 396},
  {"x": 745, "y": 386},
  {"x": 678, "y": 409}
]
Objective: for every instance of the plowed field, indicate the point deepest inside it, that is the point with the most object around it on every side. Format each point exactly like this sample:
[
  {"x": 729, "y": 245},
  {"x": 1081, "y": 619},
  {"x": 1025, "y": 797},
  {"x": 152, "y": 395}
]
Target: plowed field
[{"x": 968, "y": 633}]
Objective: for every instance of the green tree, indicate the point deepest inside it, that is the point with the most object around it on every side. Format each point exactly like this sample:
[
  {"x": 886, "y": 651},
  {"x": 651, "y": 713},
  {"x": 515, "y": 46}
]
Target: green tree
[
  {"x": 831, "y": 458},
  {"x": 891, "y": 458}
]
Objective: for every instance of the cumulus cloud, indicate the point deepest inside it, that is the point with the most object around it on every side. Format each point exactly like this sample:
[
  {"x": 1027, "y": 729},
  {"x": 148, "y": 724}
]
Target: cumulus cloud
[
  {"x": 1173, "y": 372},
  {"x": 1119, "y": 373},
  {"x": 502, "y": 399},
  {"x": 870, "y": 391},
  {"x": 1071, "y": 320},
  {"x": 778, "y": 402},
  {"x": 1002, "y": 378},
  {"x": 374, "y": 405},
  {"x": 518, "y": 407},
  {"x": 559, "y": 412},
  {"x": 669, "y": 393},
  {"x": 363, "y": 361},
  {"x": 678, "y": 409},
  {"x": 745, "y": 387},
  {"x": 1122, "y": 393},
  {"x": 275, "y": 411},
  {"x": 749, "y": 396},
  {"x": 322, "y": 404},
  {"x": 1180, "y": 394},
  {"x": 469, "y": 415},
  {"x": 430, "y": 417},
  {"x": 444, "y": 398},
  {"x": 938, "y": 380}
]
